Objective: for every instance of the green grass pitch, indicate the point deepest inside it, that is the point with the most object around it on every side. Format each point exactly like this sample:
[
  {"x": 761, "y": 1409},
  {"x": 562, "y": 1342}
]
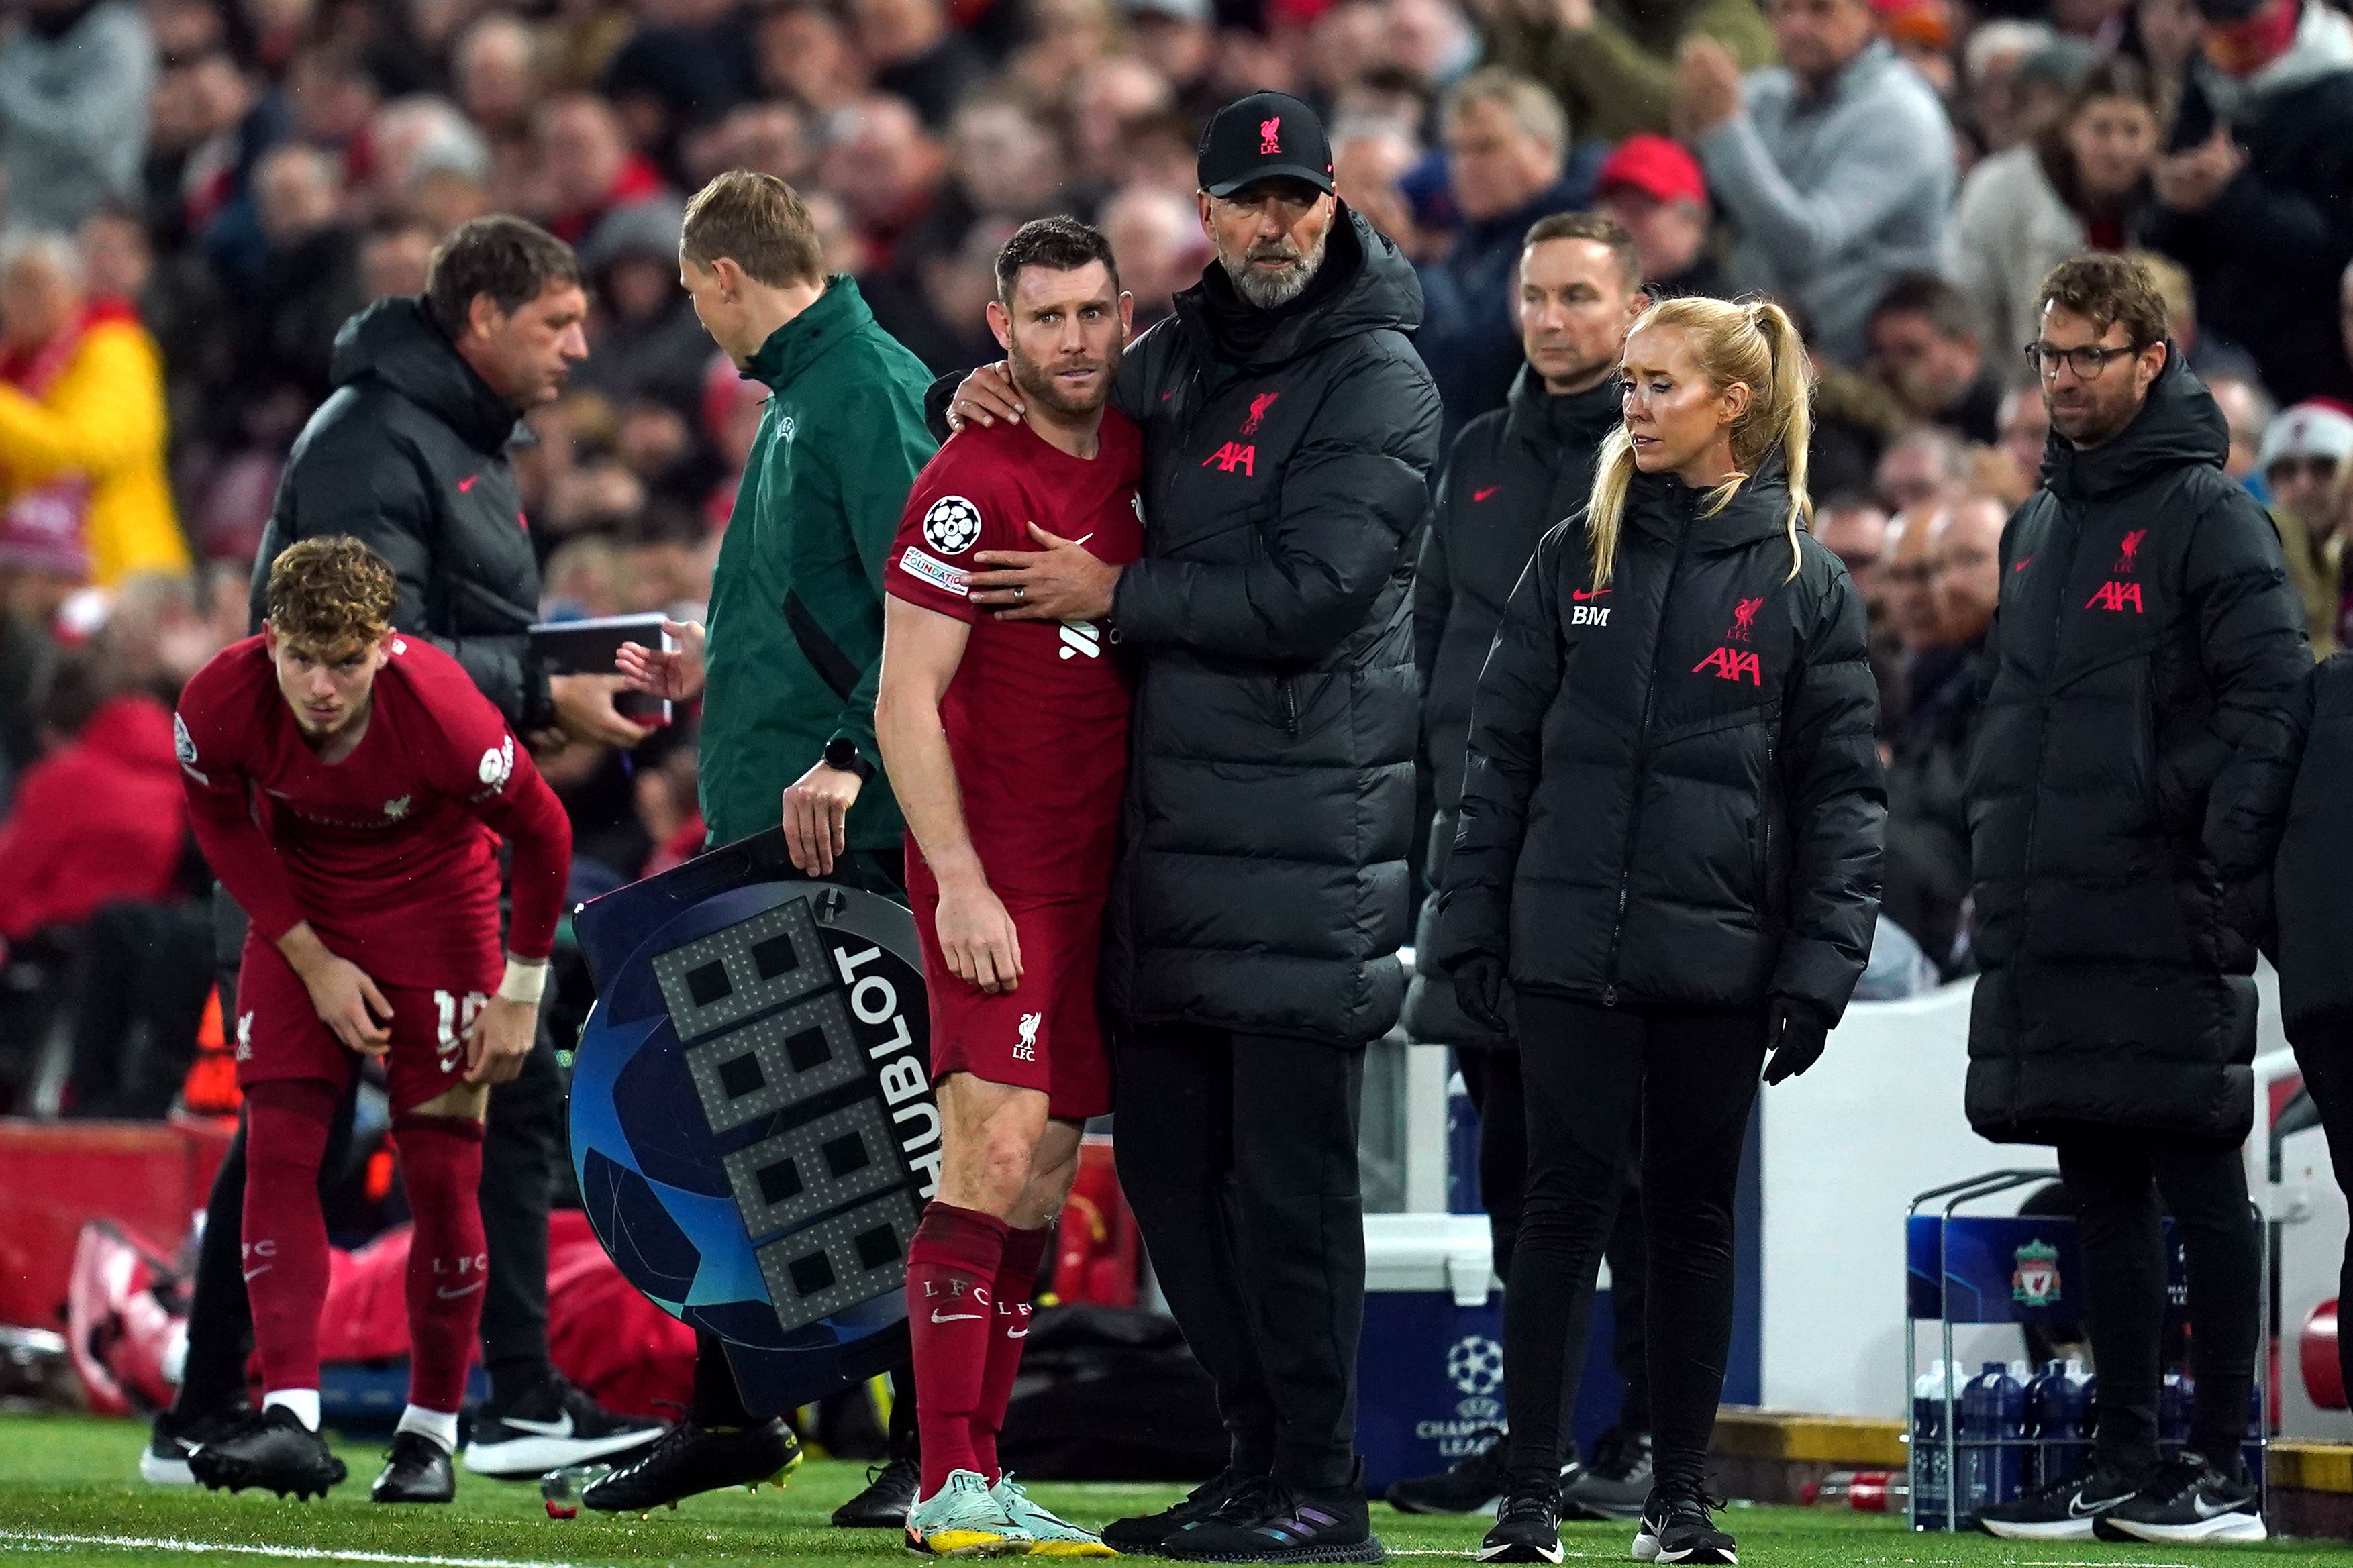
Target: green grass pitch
[{"x": 69, "y": 1494}]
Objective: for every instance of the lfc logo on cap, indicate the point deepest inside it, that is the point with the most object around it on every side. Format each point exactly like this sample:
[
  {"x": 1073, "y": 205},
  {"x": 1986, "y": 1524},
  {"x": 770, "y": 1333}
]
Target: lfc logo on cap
[{"x": 1270, "y": 137}]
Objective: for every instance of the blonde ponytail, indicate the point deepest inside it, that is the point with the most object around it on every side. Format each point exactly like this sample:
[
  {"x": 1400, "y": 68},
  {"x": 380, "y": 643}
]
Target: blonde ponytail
[{"x": 1753, "y": 342}]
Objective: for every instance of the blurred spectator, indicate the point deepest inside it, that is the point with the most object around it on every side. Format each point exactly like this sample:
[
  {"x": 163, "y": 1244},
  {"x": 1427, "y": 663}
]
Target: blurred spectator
[
  {"x": 99, "y": 817},
  {"x": 732, "y": 403},
  {"x": 1161, "y": 248},
  {"x": 1654, "y": 189},
  {"x": 2025, "y": 428},
  {"x": 2308, "y": 452},
  {"x": 309, "y": 284},
  {"x": 1612, "y": 62},
  {"x": 1107, "y": 97},
  {"x": 1854, "y": 421},
  {"x": 1854, "y": 528},
  {"x": 1910, "y": 568},
  {"x": 1374, "y": 156},
  {"x": 1431, "y": 38},
  {"x": 82, "y": 424},
  {"x": 427, "y": 161},
  {"x": 2260, "y": 208},
  {"x": 2073, "y": 186},
  {"x": 1179, "y": 38},
  {"x": 884, "y": 168},
  {"x": 936, "y": 304},
  {"x": 915, "y": 56},
  {"x": 1835, "y": 166},
  {"x": 1925, "y": 350},
  {"x": 801, "y": 48},
  {"x": 689, "y": 61},
  {"x": 592, "y": 175},
  {"x": 2210, "y": 356},
  {"x": 1925, "y": 463},
  {"x": 1922, "y": 34},
  {"x": 1991, "y": 61},
  {"x": 644, "y": 342},
  {"x": 2165, "y": 36},
  {"x": 1505, "y": 144},
  {"x": 2247, "y": 409},
  {"x": 394, "y": 259},
  {"x": 74, "y": 84},
  {"x": 492, "y": 69},
  {"x": 768, "y": 137},
  {"x": 1927, "y": 868}
]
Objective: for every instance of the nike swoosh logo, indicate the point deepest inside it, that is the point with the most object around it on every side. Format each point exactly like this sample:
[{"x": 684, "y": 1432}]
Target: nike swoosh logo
[
  {"x": 2023, "y": 565},
  {"x": 2077, "y": 1508},
  {"x": 1482, "y": 495},
  {"x": 544, "y": 1428},
  {"x": 253, "y": 1274},
  {"x": 2209, "y": 1510},
  {"x": 1017, "y": 1333},
  {"x": 467, "y": 483},
  {"x": 448, "y": 1295},
  {"x": 1582, "y": 594},
  {"x": 956, "y": 1318}
]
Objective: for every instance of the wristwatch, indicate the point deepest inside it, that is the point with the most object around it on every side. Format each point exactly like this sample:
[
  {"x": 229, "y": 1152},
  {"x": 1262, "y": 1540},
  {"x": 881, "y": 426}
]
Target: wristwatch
[{"x": 841, "y": 753}]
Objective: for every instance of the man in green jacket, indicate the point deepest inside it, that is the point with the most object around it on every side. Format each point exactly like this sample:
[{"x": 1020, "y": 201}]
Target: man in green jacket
[{"x": 788, "y": 670}]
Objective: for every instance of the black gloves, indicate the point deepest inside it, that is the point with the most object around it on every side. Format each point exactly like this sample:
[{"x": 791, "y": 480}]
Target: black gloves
[
  {"x": 1479, "y": 991},
  {"x": 1795, "y": 1035}
]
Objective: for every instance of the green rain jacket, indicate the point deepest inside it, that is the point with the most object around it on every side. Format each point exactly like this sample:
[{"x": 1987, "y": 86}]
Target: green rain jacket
[{"x": 795, "y": 632}]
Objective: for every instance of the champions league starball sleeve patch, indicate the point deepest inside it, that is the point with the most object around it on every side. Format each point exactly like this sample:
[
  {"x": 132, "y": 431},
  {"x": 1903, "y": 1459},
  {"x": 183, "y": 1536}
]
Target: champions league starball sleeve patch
[{"x": 951, "y": 525}]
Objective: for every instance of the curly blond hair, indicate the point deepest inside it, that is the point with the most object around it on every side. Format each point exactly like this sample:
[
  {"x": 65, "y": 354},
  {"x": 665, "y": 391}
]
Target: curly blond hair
[{"x": 331, "y": 594}]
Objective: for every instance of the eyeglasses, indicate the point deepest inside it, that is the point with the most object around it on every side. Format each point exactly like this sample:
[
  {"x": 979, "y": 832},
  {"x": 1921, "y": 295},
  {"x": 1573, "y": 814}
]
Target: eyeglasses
[{"x": 2087, "y": 361}]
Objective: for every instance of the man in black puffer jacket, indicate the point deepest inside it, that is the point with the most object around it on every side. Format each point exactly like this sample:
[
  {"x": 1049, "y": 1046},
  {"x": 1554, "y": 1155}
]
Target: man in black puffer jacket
[
  {"x": 1261, "y": 895},
  {"x": 2144, "y": 659},
  {"x": 1510, "y": 475}
]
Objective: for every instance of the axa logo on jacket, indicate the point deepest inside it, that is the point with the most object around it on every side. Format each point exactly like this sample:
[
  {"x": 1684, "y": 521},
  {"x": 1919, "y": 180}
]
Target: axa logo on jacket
[
  {"x": 1733, "y": 664},
  {"x": 2114, "y": 596},
  {"x": 1234, "y": 455}
]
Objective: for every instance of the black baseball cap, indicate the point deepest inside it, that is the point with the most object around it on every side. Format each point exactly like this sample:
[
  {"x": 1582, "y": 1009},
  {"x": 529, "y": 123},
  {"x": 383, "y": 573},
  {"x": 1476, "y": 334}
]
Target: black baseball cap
[{"x": 1267, "y": 135}]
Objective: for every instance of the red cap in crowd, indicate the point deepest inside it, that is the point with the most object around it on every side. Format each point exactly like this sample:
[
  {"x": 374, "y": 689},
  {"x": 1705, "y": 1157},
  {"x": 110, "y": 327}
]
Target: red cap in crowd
[{"x": 1655, "y": 165}]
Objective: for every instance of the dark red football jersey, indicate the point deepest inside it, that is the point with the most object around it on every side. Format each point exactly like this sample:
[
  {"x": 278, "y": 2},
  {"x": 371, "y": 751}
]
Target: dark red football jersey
[
  {"x": 389, "y": 853},
  {"x": 1037, "y": 715}
]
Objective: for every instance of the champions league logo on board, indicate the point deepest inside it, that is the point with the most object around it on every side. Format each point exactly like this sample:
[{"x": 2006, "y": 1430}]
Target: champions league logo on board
[{"x": 1474, "y": 1364}]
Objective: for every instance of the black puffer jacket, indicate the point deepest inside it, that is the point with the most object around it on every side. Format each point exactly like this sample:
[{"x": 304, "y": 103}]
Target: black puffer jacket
[
  {"x": 1673, "y": 794},
  {"x": 2313, "y": 876},
  {"x": 410, "y": 455},
  {"x": 1512, "y": 474},
  {"x": 1262, "y": 883},
  {"x": 2124, "y": 789}
]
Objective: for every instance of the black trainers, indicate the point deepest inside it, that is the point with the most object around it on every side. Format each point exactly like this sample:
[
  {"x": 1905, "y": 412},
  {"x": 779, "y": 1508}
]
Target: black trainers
[
  {"x": 689, "y": 1460},
  {"x": 1474, "y": 1483},
  {"x": 165, "y": 1461},
  {"x": 416, "y": 1469},
  {"x": 1331, "y": 1524},
  {"x": 1527, "y": 1526},
  {"x": 1678, "y": 1527},
  {"x": 1615, "y": 1485},
  {"x": 553, "y": 1427},
  {"x": 1228, "y": 1489},
  {"x": 889, "y": 1493},
  {"x": 2065, "y": 1510},
  {"x": 2188, "y": 1500},
  {"x": 271, "y": 1449}
]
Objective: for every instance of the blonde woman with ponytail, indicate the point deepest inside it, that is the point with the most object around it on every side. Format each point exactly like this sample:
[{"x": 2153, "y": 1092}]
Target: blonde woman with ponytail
[{"x": 1667, "y": 865}]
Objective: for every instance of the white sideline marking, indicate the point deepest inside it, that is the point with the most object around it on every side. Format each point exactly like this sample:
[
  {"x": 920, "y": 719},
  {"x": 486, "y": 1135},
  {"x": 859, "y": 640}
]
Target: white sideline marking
[{"x": 305, "y": 1553}]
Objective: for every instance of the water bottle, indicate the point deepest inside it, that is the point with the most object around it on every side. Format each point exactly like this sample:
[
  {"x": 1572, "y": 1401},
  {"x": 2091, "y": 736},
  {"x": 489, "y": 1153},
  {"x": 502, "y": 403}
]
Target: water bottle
[
  {"x": 1865, "y": 1491},
  {"x": 2066, "y": 1447},
  {"x": 1993, "y": 1422},
  {"x": 2173, "y": 1403},
  {"x": 1928, "y": 1448},
  {"x": 560, "y": 1490}
]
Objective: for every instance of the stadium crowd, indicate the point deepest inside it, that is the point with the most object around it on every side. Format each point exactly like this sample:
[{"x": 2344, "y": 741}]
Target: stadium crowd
[{"x": 197, "y": 195}]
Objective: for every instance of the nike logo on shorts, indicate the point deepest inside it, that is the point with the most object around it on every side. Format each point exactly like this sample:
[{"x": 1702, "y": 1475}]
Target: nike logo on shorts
[
  {"x": 448, "y": 1295},
  {"x": 253, "y": 1274}
]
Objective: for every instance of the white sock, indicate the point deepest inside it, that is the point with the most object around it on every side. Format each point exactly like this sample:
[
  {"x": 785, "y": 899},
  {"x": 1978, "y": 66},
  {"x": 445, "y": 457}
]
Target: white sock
[
  {"x": 441, "y": 1426},
  {"x": 303, "y": 1402}
]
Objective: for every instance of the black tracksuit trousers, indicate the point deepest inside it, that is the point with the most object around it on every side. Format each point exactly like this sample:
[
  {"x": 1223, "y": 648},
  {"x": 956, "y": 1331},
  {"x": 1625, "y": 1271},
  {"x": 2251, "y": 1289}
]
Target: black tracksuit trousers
[
  {"x": 1596, "y": 1080},
  {"x": 1493, "y": 1078},
  {"x": 2116, "y": 1175},
  {"x": 1238, "y": 1156}
]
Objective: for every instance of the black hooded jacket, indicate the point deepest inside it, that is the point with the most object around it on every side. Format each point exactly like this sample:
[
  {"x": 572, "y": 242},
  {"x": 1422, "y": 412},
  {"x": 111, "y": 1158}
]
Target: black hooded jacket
[
  {"x": 2126, "y": 785},
  {"x": 2313, "y": 878},
  {"x": 1262, "y": 883},
  {"x": 1512, "y": 473},
  {"x": 1673, "y": 794},
  {"x": 409, "y": 456}
]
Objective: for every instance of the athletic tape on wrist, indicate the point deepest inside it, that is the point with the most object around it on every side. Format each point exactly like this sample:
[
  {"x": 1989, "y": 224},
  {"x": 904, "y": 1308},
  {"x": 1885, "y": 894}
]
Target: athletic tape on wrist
[{"x": 523, "y": 981}]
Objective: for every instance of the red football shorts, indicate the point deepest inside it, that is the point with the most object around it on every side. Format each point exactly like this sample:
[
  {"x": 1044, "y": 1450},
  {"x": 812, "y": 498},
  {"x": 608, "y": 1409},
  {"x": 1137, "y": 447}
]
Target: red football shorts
[
  {"x": 278, "y": 1034},
  {"x": 1045, "y": 1034}
]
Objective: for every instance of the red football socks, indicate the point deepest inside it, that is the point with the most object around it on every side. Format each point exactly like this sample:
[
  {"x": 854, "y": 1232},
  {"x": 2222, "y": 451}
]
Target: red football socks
[
  {"x": 441, "y": 1165},
  {"x": 1016, "y": 1275},
  {"x": 952, "y": 1268},
  {"x": 285, "y": 1234}
]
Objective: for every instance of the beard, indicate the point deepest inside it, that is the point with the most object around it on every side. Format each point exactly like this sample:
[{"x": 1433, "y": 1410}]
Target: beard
[
  {"x": 1037, "y": 381},
  {"x": 1268, "y": 292}
]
